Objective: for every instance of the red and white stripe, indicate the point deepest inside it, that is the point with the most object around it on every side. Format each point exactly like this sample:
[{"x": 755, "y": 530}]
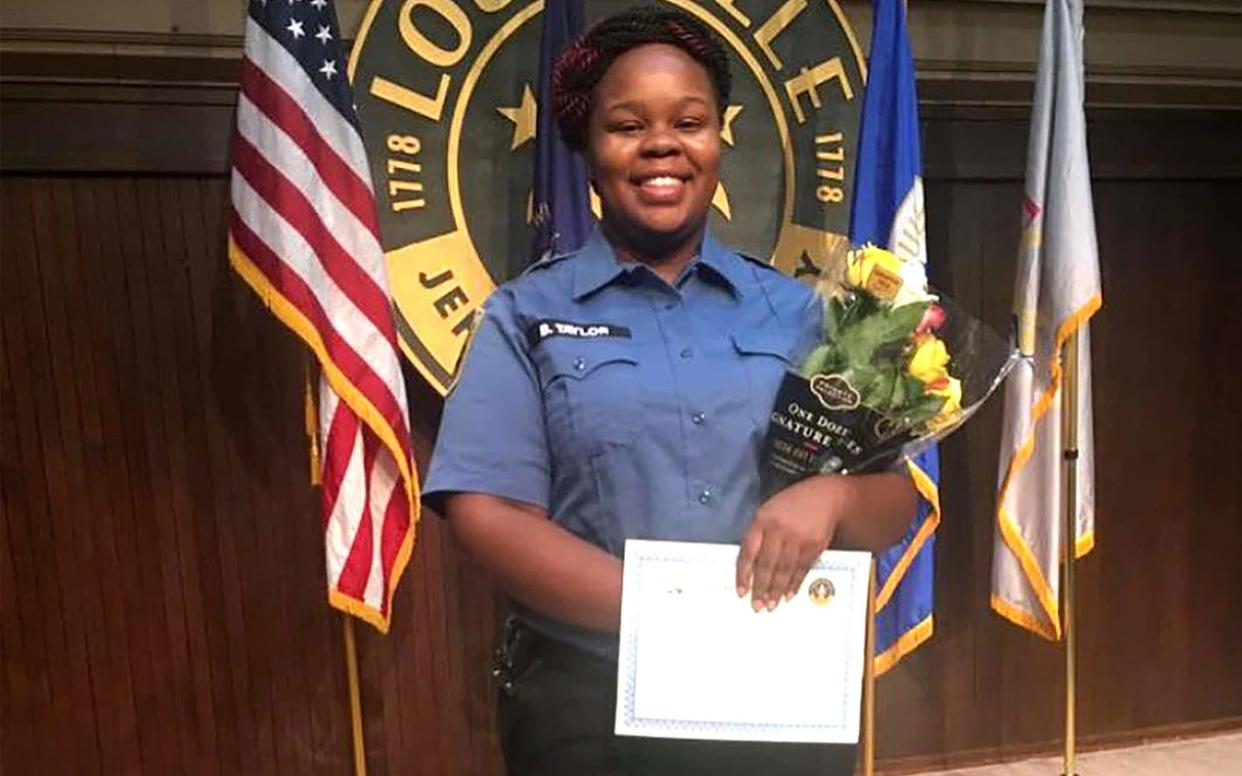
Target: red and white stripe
[{"x": 304, "y": 218}]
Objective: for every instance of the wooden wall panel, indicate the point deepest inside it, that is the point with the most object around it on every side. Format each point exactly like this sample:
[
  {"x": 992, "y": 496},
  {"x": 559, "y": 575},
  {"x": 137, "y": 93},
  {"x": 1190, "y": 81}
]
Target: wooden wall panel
[
  {"x": 113, "y": 427},
  {"x": 1156, "y": 595},
  {"x": 161, "y": 578},
  {"x": 162, "y": 564}
]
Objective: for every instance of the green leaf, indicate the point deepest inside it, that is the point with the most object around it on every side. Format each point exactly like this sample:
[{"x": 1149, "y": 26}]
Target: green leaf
[
  {"x": 922, "y": 410},
  {"x": 907, "y": 391},
  {"x": 864, "y": 379},
  {"x": 817, "y": 362},
  {"x": 884, "y": 386},
  {"x": 833, "y": 312},
  {"x": 860, "y": 341},
  {"x": 901, "y": 394}
]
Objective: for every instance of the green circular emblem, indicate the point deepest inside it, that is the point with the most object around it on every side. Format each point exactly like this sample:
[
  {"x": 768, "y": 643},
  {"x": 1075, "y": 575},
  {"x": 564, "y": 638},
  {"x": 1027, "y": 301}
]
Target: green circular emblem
[{"x": 446, "y": 96}]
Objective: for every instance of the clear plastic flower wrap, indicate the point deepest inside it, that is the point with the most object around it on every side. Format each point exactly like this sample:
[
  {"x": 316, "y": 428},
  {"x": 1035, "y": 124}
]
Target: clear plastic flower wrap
[{"x": 897, "y": 368}]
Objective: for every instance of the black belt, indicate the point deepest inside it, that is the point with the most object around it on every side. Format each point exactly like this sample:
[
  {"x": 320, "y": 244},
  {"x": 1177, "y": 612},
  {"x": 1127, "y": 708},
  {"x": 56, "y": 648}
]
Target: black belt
[{"x": 521, "y": 646}]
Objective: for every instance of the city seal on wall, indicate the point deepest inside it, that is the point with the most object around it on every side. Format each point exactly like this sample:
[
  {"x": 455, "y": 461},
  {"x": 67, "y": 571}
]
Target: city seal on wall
[{"x": 446, "y": 97}]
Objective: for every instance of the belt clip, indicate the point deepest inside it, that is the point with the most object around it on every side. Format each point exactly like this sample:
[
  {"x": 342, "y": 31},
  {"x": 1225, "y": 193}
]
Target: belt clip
[{"x": 505, "y": 655}]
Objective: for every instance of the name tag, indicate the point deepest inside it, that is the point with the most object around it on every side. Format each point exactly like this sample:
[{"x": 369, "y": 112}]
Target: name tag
[{"x": 543, "y": 329}]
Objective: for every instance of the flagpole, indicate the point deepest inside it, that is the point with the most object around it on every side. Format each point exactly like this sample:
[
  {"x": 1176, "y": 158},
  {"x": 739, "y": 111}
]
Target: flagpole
[
  {"x": 868, "y": 743},
  {"x": 355, "y": 697},
  {"x": 1069, "y": 444}
]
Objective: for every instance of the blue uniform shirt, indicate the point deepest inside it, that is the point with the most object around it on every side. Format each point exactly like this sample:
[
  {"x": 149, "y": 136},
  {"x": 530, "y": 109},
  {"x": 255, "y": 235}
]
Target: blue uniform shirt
[{"x": 625, "y": 407}]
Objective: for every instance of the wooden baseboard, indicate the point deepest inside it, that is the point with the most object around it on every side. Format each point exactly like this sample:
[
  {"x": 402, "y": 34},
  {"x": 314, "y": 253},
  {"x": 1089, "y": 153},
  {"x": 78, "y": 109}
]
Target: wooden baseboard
[{"x": 1088, "y": 743}]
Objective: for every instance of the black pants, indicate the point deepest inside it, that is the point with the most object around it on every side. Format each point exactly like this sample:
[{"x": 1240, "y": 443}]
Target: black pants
[{"x": 557, "y": 706}]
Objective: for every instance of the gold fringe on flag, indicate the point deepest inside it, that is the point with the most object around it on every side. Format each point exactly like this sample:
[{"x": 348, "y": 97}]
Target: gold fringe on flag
[{"x": 312, "y": 429}]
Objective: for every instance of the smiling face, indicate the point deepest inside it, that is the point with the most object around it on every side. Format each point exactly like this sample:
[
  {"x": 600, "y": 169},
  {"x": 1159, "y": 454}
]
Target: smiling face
[{"x": 654, "y": 148}]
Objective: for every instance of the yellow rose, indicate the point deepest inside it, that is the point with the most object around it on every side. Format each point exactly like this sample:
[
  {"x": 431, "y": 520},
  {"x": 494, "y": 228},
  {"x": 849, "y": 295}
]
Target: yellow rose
[
  {"x": 929, "y": 361},
  {"x": 951, "y": 390},
  {"x": 875, "y": 270},
  {"x": 854, "y": 274}
]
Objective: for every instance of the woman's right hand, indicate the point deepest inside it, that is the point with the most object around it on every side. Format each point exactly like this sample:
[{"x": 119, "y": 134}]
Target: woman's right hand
[
  {"x": 789, "y": 532},
  {"x": 790, "y": 529}
]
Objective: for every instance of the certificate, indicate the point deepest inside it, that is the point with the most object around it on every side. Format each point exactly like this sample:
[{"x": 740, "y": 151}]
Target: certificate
[{"x": 697, "y": 662}]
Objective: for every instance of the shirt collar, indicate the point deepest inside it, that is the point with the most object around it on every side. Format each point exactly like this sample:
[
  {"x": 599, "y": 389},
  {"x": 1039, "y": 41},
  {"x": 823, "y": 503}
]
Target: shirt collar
[
  {"x": 596, "y": 264},
  {"x": 726, "y": 265}
]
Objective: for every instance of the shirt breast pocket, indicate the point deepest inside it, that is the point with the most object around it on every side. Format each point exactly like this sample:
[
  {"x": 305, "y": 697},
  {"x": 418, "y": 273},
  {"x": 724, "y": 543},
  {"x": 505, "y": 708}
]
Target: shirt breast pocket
[
  {"x": 592, "y": 393},
  {"x": 766, "y": 356}
]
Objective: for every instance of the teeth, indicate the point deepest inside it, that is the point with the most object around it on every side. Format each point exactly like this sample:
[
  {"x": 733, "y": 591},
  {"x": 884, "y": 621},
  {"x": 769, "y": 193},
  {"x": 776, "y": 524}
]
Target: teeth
[{"x": 663, "y": 180}]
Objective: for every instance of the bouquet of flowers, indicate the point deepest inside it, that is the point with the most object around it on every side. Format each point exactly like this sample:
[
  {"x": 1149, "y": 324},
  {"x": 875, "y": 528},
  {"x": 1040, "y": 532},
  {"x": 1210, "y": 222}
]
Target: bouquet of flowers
[{"x": 896, "y": 369}]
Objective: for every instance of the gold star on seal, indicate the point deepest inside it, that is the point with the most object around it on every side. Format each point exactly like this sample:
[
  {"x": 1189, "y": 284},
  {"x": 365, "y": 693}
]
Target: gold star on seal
[
  {"x": 523, "y": 117},
  {"x": 720, "y": 200},
  {"x": 726, "y": 131}
]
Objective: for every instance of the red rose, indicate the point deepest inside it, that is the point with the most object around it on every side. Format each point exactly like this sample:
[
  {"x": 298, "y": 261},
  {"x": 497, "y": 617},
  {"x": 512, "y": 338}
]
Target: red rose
[{"x": 933, "y": 319}]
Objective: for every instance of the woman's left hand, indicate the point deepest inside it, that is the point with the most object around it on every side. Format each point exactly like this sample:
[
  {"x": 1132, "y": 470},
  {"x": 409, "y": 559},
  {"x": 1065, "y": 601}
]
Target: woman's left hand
[{"x": 789, "y": 532}]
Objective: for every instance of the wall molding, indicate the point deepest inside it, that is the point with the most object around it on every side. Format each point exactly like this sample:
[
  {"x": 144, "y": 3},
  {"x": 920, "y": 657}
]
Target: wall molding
[
  {"x": 1224, "y": 7},
  {"x": 1173, "y": 54}
]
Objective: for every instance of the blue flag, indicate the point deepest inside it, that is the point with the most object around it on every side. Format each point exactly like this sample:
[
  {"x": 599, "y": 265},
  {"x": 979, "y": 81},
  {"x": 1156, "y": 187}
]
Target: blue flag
[
  {"x": 561, "y": 209},
  {"x": 888, "y": 211}
]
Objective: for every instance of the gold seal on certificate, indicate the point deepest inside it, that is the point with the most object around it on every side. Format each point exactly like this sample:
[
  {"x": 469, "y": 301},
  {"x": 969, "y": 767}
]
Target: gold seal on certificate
[
  {"x": 821, "y": 591},
  {"x": 682, "y": 668}
]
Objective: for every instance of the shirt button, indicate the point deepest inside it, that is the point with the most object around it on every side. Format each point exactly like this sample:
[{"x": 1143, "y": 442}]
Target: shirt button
[
  {"x": 580, "y": 364},
  {"x": 687, "y": 352},
  {"x": 697, "y": 418},
  {"x": 705, "y": 496}
]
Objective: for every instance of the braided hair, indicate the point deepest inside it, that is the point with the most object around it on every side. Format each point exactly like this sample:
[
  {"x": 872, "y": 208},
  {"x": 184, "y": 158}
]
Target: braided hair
[{"x": 583, "y": 63}]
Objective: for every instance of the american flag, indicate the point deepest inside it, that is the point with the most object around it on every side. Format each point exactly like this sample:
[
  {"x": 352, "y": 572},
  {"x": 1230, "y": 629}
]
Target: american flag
[{"x": 304, "y": 236}]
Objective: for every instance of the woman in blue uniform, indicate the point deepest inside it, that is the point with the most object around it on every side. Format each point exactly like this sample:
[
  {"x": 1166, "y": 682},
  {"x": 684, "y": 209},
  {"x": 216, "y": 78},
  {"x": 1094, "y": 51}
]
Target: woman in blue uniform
[{"x": 622, "y": 391}]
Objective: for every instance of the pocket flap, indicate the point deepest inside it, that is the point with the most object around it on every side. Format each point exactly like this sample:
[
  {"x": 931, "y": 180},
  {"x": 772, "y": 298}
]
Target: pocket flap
[
  {"x": 577, "y": 359},
  {"x": 764, "y": 342}
]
